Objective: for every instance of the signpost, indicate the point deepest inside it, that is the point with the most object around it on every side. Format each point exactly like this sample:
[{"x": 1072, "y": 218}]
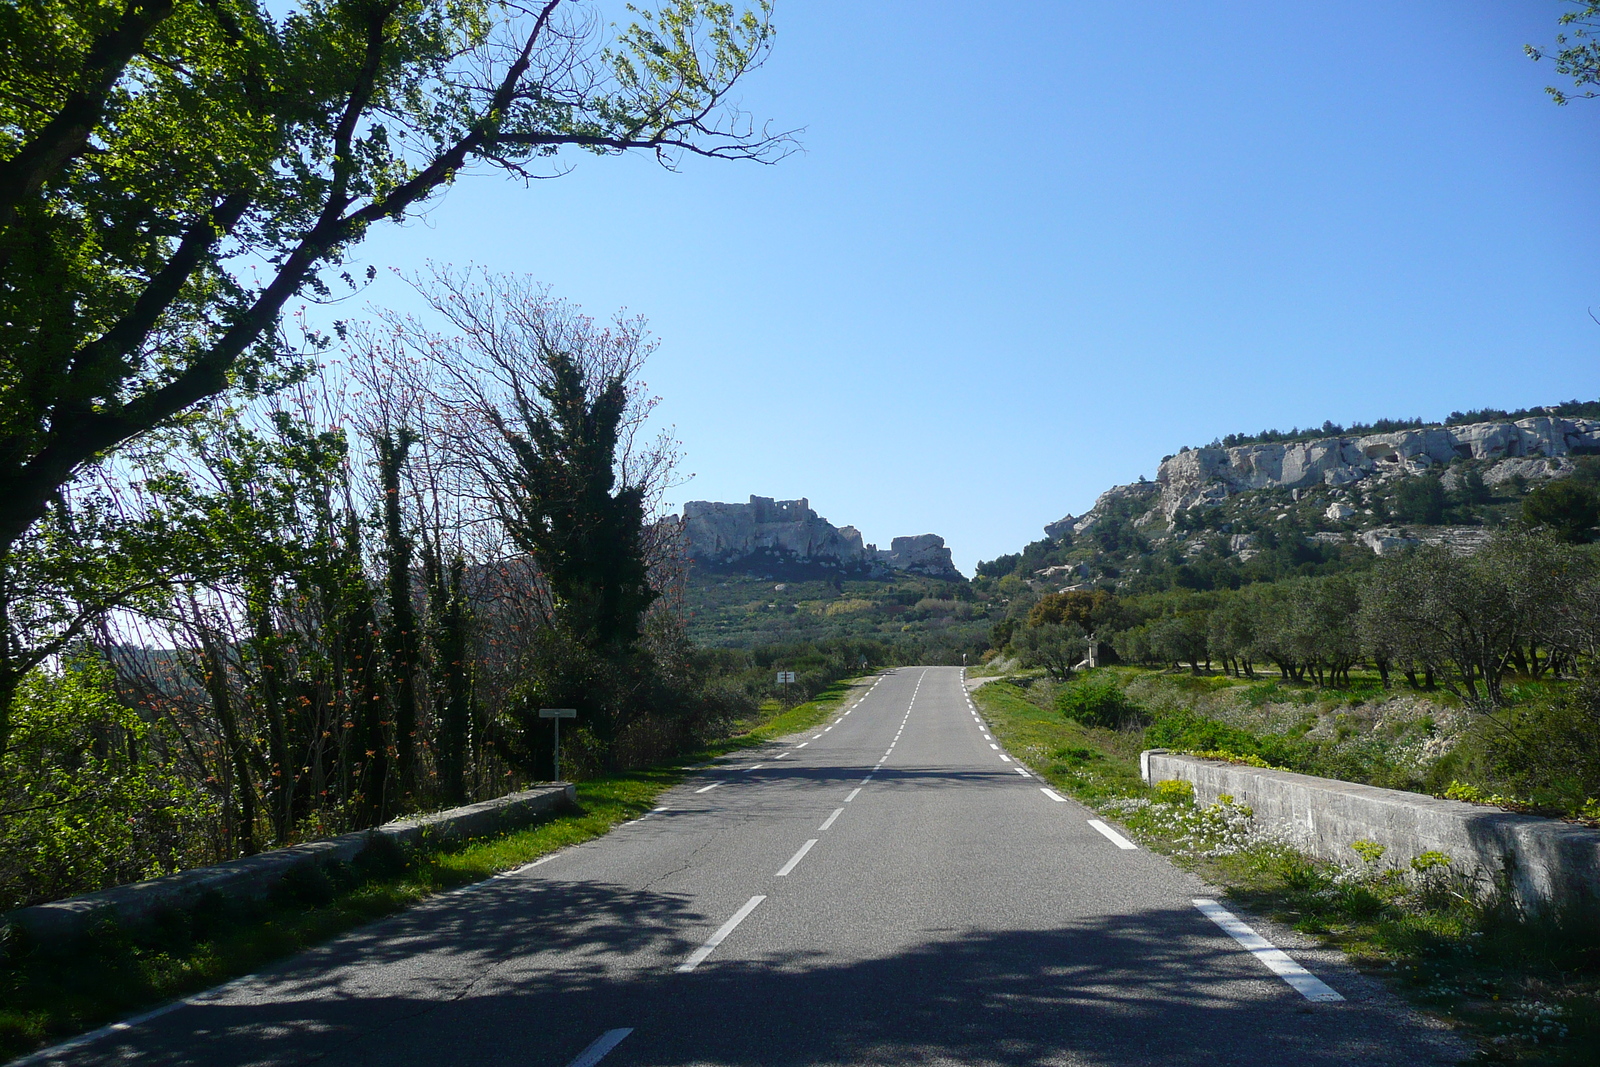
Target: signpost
[
  {"x": 557, "y": 714},
  {"x": 785, "y": 678}
]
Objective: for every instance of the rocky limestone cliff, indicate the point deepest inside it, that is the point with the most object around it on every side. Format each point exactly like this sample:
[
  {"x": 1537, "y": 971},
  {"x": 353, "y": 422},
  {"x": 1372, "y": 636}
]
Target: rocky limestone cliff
[
  {"x": 1534, "y": 449},
  {"x": 786, "y": 536}
]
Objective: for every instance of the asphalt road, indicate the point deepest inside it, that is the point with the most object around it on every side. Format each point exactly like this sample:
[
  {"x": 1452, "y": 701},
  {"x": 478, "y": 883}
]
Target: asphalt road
[{"x": 888, "y": 888}]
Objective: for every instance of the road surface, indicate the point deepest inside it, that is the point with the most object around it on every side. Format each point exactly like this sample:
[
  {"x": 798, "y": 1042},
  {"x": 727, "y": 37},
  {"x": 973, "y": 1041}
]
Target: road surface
[{"x": 888, "y": 888}]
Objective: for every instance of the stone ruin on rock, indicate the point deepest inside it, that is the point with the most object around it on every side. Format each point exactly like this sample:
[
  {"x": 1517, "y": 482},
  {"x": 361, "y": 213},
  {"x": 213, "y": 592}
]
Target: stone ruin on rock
[{"x": 785, "y": 538}]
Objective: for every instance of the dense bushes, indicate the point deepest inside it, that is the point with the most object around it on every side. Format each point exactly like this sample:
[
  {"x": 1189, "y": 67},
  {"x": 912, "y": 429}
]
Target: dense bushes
[
  {"x": 1099, "y": 701},
  {"x": 89, "y": 793}
]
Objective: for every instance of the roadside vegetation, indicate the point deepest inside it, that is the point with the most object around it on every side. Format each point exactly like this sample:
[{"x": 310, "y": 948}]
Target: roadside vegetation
[
  {"x": 1462, "y": 674},
  {"x": 1526, "y": 990},
  {"x": 907, "y": 619},
  {"x": 50, "y": 994}
]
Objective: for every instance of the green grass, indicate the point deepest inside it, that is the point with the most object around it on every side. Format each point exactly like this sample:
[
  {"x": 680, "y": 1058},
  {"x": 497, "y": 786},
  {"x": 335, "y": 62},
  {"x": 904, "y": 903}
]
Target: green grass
[
  {"x": 48, "y": 996},
  {"x": 1525, "y": 992}
]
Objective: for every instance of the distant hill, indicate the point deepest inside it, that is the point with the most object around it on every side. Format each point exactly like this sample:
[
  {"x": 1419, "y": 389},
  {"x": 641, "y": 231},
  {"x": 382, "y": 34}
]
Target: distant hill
[
  {"x": 774, "y": 572},
  {"x": 1233, "y": 513}
]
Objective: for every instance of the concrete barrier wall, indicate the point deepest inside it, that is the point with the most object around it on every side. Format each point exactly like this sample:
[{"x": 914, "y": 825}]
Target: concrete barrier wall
[
  {"x": 254, "y": 876},
  {"x": 1546, "y": 862}
]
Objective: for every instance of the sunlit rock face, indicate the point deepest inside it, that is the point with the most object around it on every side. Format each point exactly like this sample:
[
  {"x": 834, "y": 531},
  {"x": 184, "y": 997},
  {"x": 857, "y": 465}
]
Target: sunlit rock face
[
  {"x": 786, "y": 538},
  {"x": 1533, "y": 449},
  {"x": 924, "y": 554},
  {"x": 1209, "y": 475}
]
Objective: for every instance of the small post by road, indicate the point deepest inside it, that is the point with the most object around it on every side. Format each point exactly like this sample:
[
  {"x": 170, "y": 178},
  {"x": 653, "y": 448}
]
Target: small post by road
[
  {"x": 556, "y": 715},
  {"x": 785, "y": 679}
]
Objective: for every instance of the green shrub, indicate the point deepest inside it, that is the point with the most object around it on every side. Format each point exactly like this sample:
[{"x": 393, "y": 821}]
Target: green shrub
[{"x": 1099, "y": 701}]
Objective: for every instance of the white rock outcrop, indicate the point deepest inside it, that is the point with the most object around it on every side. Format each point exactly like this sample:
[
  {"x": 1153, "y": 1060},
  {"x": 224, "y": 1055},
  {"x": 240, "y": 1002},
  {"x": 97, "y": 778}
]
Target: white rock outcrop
[
  {"x": 768, "y": 534},
  {"x": 1526, "y": 447}
]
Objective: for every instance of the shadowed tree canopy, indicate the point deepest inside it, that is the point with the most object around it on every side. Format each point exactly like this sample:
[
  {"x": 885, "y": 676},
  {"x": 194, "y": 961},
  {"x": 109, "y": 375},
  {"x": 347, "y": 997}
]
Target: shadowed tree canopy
[
  {"x": 562, "y": 504},
  {"x": 1566, "y": 508},
  {"x": 173, "y": 171}
]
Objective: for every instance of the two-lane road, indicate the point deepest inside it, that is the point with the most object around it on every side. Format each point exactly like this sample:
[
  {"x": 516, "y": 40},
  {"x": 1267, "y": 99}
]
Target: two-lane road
[{"x": 890, "y": 887}]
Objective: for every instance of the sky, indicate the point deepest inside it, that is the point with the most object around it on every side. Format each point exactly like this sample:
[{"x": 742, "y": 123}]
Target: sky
[{"x": 1028, "y": 250}]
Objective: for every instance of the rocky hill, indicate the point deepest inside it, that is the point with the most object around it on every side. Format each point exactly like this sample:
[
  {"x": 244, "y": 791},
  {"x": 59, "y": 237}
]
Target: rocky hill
[
  {"x": 1315, "y": 503},
  {"x": 786, "y": 539},
  {"x": 1529, "y": 449}
]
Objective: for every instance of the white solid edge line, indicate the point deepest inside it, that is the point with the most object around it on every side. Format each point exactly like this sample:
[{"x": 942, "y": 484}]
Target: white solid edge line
[
  {"x": 698, "y": 956},
  {"x": 1111, "y": 835},
  {"x": 794, "y": 860},
  {"x": 1273, "y": 958},
  {"x": 600, "y": 1046},
  {"x": 708, "y": 788},
  {"x": 1052, "y": 794},
  {"x": 829, "y": 821},
  {"x": 853, "y": 794}
]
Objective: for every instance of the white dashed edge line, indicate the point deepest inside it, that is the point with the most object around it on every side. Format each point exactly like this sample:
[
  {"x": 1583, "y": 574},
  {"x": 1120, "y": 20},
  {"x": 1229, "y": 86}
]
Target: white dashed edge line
[
  {"x": 1111, "y": 835},
  {"x": 1273, "y": 958}
]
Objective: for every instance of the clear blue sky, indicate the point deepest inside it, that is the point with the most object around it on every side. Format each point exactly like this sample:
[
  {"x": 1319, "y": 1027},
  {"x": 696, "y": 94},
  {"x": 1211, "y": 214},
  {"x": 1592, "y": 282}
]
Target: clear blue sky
[{"x": 1029, "y": 249}]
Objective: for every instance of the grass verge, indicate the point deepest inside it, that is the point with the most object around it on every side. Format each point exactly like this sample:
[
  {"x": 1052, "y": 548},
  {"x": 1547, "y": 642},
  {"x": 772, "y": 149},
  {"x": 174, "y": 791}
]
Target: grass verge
[
  {"x": 51, "y": 995},
  {"x": 1525, "y": 991}
]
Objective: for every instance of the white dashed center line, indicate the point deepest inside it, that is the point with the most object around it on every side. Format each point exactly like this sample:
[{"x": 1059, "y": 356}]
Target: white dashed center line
[
  {"x": 1005, "y": 757},
  {"x": 1275, "y": 959},
  {"x": 829, "y": 821},
  {"x": 600, "y": 1046},
  {"x": 852, "y": 795},
  {"x": 698, "y": 956},
  {"x": 1053, "y": 795},
  {"x": 794, "y": 860},
  {"x": 708, "y": 788}
]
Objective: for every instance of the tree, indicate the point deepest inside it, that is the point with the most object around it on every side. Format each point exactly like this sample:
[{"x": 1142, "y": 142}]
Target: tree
[
  {"x": 1058, "y": 647},
  {"x": 172, "y": 172},
  {"x": 1466, "y": 619},
  {"x": 1569, "y": 510},
  {"x": 1087, "y": 608},
  {"x": 1577, "y": 51},
  {"x": 1181, "y": 638},
  {"x": 1420, "y": 500}
]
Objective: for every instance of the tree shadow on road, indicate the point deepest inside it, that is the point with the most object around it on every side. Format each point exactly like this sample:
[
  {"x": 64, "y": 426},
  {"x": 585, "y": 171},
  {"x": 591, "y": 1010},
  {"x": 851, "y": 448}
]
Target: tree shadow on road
[{"x": 526, "y": 972}]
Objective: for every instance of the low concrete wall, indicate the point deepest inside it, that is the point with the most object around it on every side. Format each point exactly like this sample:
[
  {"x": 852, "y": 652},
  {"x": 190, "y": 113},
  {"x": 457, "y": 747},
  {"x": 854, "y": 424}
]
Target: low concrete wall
[
  {"x": 254, "y": 876},
  {"x": 1544, "y": 861}
]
